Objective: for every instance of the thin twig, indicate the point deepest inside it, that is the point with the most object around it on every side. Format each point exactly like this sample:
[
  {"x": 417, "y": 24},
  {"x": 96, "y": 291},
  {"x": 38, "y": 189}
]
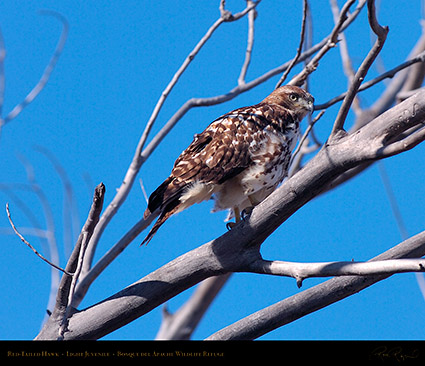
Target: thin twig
[
  {"x": 2, "y": 77},
  {"x": 71, "y": 220},
  {"x": 33, "y": 186},
  {"x": 250, "y": 43},
  {"x": 306, "y": 133},
  {"x": 374, "y": 81},
  {"x": 395, "y": 209},
  {"x": 29, "y": 245},
  {"x": 47, "y": 71},
  {"x": 300, "y": 46},
  {"x": 345, "y": 56},
  {"x": 142, "y": 187},
  {"x": 330, "y": 43},
  {"x": 381, "y": 32}
]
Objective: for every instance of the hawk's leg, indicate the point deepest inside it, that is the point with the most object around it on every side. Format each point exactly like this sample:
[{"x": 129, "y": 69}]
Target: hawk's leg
[
  {"x": 248, "y": 210},
  {"x": 231, "y": 225}
]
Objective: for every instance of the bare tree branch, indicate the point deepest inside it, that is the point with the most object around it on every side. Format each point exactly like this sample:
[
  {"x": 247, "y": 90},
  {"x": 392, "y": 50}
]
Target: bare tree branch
[
  {"x": 180, "y": 325},
  {"x": 381, "y": 32},
  {"x": 301, "y": 271},
  {"x": 46, "y": 74},
  {"x": 300, "y": 46},
  {"x": 345, "y": 56},
  {"x": 250, "y": 43},
  {"x": 315, "y": 298},
  {"x": 63, "y": 308},
  {"x": 29, "y": 245},
  {"x": 389, "y": 74},
  {"x": 331, "y": 43}
]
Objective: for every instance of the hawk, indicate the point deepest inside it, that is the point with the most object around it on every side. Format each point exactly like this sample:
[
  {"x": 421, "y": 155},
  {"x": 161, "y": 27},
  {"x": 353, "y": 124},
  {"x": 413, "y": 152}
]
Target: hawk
[{"x": 238, "y": 160}]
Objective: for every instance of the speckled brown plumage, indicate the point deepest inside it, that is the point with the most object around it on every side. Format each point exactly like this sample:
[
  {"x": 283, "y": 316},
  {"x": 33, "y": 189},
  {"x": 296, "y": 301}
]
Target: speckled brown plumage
[{"x": 239, "y": 159}]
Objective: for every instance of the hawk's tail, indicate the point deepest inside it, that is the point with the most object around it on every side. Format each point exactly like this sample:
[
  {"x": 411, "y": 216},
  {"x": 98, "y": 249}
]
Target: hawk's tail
[
  {"x": 170, "y": 209},
  {"x": 166, "y": 200}
]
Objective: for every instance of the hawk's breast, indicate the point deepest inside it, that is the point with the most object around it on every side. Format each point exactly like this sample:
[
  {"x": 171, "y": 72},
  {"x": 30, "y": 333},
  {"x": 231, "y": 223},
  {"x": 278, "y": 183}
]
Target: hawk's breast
[{"x": 270, "y": 153}]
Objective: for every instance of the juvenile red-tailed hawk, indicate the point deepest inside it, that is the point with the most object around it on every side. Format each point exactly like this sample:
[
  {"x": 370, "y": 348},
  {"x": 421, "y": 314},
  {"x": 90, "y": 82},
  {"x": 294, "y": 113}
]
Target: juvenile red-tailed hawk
[{"x": 239, "y": 159}]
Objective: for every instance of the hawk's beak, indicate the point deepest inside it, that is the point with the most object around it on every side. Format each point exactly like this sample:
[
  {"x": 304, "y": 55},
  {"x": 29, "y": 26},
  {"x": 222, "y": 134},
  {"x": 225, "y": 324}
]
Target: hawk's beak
[{"x": 309, "y": 105}]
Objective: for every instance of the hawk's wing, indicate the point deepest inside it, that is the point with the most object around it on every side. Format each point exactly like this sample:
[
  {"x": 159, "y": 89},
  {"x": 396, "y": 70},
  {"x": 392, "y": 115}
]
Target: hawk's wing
[{"x": 217, "y": 154}]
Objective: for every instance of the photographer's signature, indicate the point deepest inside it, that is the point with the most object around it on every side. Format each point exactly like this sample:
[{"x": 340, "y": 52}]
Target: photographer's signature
[{"x": 397, "y": 353}]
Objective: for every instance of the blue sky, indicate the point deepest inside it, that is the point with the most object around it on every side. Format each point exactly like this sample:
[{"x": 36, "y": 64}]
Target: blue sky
[{"x": 118, "y": 58}]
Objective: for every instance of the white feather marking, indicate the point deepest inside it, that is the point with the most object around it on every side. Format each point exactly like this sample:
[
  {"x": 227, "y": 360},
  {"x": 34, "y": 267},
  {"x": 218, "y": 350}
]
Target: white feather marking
[{"x": 196, "y": 193}]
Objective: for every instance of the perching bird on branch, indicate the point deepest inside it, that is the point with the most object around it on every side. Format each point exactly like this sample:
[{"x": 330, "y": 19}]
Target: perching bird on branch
[{"x": 239, "y": 159}]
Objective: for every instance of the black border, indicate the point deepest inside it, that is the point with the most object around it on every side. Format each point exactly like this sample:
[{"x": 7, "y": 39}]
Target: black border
[{"x": 284, "y": 352}]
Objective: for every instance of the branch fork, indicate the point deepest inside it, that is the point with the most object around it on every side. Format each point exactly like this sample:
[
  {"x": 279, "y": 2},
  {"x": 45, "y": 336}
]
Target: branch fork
[{"x": 64, "y": 309}]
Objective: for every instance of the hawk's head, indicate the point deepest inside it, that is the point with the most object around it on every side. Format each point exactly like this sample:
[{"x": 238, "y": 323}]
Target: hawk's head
[{"x": 295, "y": 99}]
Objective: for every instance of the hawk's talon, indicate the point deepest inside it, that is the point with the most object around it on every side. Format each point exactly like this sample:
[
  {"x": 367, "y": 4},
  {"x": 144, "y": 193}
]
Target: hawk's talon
[
  {"x": 247, "y": 212},
  {"x": 230, "y": 225}
]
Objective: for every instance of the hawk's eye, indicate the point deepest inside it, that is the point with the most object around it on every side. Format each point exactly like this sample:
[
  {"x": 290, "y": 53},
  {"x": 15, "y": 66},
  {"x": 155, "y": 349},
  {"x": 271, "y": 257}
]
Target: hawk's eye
[{"x": 293, "y": 97}]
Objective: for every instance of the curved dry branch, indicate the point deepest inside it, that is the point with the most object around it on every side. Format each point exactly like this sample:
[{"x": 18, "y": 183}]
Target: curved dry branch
[
  {"x": 300, "y": 46},
  {"x": 250, "y": 43},
  {"x": 388, "y": 74},
  {"x": 358, "y": 78},
  {"x": 29, "y": 245},
  {"x": 47, "y": 71}
]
